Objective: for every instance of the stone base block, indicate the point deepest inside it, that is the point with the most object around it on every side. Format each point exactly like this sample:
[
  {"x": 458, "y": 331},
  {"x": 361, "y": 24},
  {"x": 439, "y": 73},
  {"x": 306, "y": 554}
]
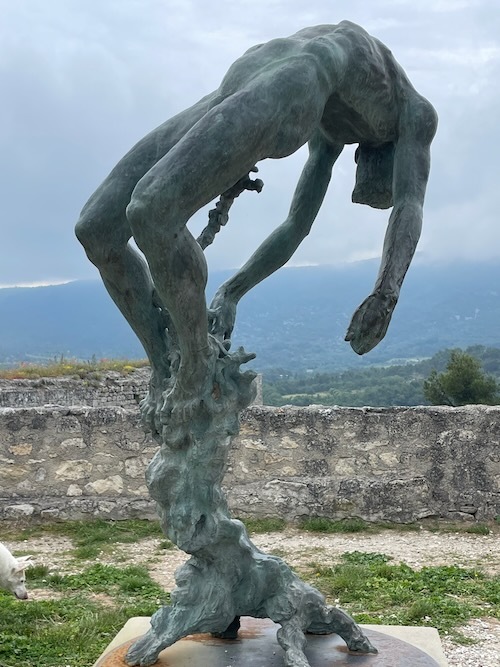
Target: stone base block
[{"x": 257, "y": 647}]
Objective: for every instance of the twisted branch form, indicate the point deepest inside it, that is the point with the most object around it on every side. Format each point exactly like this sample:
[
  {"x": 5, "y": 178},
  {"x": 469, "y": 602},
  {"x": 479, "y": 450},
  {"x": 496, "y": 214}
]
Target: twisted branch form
[{"x": 219, "y": 216}]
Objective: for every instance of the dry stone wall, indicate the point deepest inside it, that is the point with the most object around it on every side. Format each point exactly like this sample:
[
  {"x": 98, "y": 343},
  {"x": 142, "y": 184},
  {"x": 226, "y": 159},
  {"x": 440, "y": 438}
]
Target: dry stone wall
[
  {"x": 393, "y": 464},
  {"x": 94, "y": 390}
]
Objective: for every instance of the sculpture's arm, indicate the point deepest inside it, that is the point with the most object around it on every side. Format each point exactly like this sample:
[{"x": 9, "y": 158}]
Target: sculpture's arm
[
  {"x": 277, "y": 249},
  {"x": 411, "y": 171}
]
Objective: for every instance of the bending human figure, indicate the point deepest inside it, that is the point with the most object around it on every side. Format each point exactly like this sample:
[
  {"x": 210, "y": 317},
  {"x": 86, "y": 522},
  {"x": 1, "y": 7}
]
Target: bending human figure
[{"x": 327, "y": 86}]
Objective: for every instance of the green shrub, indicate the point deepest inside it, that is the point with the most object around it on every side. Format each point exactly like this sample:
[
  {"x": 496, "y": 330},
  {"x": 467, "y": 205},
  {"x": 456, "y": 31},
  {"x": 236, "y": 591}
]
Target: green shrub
[
  {"x": 325, "y": 525},
  {"x": 269, "y": 525}
]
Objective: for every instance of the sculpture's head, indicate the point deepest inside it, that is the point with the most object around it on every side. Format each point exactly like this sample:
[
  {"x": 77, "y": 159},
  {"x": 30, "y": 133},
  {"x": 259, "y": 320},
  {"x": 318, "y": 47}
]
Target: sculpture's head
[{"x": 374, "y": 175}]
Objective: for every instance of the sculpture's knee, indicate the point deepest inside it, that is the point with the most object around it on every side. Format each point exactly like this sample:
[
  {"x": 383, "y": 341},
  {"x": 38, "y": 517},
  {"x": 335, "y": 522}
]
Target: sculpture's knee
[
  {"x": 147, "y": 222},
  {"x": 85, "y": 231},
  {"x": 102, "y": 236}
]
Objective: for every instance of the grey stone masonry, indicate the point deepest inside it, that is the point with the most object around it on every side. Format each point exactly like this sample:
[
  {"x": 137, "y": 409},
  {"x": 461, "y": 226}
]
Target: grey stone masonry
[
  {"x": 392, "y": 464},
  {"x": 95, "y": 390}
]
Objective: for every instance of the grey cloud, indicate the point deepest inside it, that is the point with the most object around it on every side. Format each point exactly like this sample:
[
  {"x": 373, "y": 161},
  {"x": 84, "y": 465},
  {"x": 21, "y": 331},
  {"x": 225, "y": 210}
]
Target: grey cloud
[{"x": 84, "y": 79}]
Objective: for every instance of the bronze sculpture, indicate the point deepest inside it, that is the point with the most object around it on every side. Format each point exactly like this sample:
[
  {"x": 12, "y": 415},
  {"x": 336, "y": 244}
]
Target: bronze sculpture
[{"x": 327, "y": 86}]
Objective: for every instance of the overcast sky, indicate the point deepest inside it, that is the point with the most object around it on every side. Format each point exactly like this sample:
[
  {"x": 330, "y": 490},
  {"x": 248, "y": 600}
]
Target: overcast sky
[{"x": 83, "y": 80}]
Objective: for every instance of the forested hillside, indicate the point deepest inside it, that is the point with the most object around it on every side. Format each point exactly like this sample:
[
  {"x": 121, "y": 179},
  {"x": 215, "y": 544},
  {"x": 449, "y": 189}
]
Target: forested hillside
[
  {"x": 398, "y": 384},
  {"x": 295, "y": 320}
]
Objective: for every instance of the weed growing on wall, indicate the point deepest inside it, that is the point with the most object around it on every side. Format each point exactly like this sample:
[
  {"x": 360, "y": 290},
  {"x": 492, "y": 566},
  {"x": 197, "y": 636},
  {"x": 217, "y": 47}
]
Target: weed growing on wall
[{"x": 61, "y": 367}]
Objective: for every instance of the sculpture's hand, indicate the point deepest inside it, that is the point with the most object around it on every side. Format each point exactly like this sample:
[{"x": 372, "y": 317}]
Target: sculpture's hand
[
  {"x": 370, "y": 322},
  {"x": 221, "y": 317}
]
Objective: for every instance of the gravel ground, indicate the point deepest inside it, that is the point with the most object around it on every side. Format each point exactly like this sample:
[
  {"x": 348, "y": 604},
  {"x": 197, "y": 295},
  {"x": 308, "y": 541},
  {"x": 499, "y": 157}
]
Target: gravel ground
[{"x": 298, "y": 549}]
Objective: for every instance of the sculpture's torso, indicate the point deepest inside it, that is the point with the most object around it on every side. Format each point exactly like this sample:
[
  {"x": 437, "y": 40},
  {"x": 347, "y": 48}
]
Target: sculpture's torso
[{"x": 357, "y": 79}]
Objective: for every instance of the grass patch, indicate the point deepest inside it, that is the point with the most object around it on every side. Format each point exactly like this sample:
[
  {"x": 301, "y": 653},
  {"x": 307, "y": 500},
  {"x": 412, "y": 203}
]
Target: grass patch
[
  {"x": 37, "y": 573},
  {"x": 53, "y": 633},
  {"x": 324, "y": 525},
  {"x": 89, "y": 551},
  {"x": 99, "y": 578},
  {"x": 443, "y": 526},
  {"x": 270, "y": 525},
  {"x": 478, "y": 529},
  {"x": 75, "y": 629},
  {"x": 365, "y": 558},
  {"x": 91, "y": 537},
  {"x": 166, "y": 545},
  {"x": 61, "y": 367},
  {"x": 374, "y": 591},
  {"x": 108, "y": 579}
]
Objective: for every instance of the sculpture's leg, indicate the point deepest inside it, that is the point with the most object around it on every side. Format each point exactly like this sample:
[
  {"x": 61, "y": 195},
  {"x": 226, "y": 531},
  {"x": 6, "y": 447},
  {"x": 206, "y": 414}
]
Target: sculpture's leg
[
  {"x": 104, "y": 231},
  {"x": 127, "y": 279},
  {"x": 105, "y": 235},
  {"x": 169, "y": 624},
  {"x": 209, "y": 159},
  {"x": 292, "y": 639},
  {"x": 327, "y": 620}
]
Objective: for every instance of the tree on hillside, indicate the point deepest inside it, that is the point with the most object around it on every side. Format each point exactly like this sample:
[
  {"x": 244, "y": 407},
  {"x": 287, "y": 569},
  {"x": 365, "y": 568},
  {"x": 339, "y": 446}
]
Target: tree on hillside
[{"x": 463, "y": 382}]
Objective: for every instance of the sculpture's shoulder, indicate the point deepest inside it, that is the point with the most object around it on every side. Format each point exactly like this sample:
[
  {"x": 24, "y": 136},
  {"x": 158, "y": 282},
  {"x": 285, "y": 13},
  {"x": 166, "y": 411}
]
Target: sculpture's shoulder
[
  {"x": 350, "y": 34},
  {"x": 356, "y": 52},
  {"x": 325, "y": 29}
]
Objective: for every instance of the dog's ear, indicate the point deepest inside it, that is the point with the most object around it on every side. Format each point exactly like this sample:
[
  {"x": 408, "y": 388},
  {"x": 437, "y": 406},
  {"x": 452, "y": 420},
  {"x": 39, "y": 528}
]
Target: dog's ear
[{"x": 23, "y": 562}]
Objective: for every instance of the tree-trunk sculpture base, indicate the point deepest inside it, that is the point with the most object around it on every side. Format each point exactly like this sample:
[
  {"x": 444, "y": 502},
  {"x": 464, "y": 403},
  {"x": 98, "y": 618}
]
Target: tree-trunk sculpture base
[{"x": 227, "y": 576}]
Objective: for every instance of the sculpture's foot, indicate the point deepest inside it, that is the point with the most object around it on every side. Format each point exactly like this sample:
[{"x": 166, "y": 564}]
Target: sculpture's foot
[
  {"x": 361, "y": 645},
  {"x": 231, "y": 632},
  {"x": 327, "y": 620},
  {"x": 144, "y": 651},
  {"x": 195, "y": 387}
]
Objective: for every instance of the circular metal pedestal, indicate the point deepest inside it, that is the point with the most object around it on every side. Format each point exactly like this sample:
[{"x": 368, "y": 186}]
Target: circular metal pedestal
[{"x": 257, "y": 646}]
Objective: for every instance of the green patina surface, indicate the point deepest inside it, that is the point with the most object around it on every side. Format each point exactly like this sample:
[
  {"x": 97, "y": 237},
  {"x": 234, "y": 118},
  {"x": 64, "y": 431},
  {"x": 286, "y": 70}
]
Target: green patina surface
[{"x": 326, "y": 86}]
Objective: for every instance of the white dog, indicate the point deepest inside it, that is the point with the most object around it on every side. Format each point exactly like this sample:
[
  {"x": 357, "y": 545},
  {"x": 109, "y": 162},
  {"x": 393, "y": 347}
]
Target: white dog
[{"x": 12, "y": 572}]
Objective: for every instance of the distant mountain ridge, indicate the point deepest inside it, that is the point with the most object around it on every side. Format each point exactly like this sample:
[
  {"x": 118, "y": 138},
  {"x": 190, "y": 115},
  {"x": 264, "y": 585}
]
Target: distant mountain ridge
[{"x": 296, "y": 319}]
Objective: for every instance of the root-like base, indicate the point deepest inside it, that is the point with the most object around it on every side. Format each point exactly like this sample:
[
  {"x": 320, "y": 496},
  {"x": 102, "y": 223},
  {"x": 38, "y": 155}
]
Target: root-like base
[
  {"x": 233, "y": 578},
  {"x": 227, "y": 576}
]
